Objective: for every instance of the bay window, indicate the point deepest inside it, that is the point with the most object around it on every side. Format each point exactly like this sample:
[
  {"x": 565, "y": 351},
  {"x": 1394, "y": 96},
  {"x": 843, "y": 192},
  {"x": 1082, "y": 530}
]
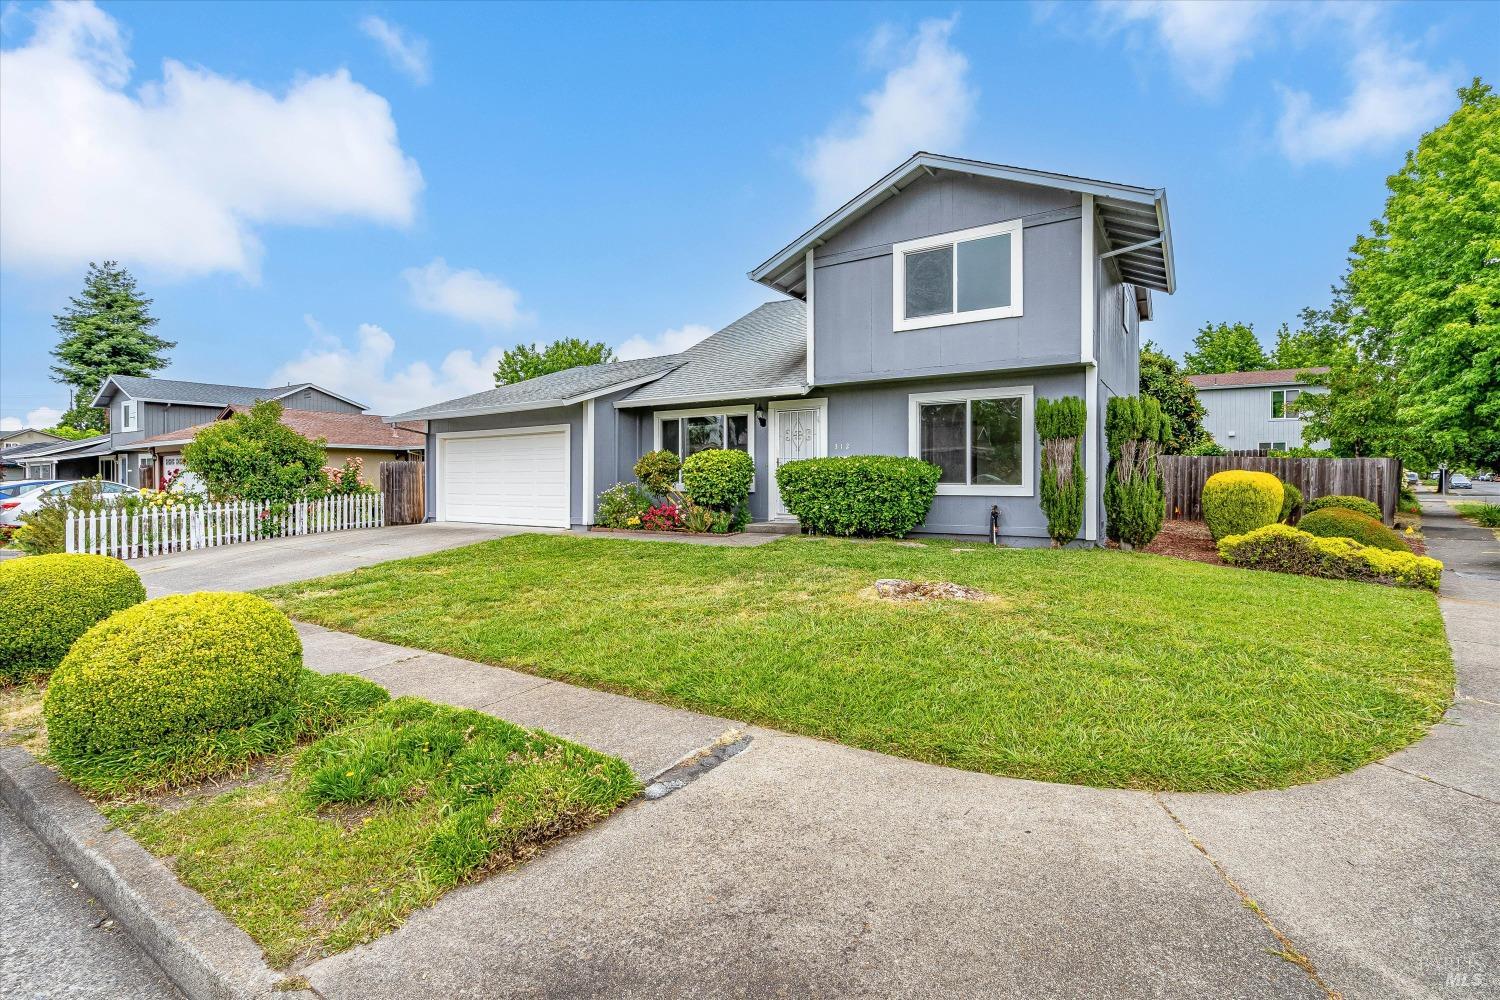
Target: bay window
[
  {"x": 980, "y": 438},
  {"x": 960, "y": 277}
]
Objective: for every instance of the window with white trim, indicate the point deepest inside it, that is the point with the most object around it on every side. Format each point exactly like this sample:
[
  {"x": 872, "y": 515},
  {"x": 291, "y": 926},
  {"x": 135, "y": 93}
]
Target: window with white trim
[
  {"x": 961, "y": 277},
  {"x": 982, "y": 439},
  {"x": 1284, "y": 403},
  {"x": 687, "y": 432},
  {"x": 128, "y": 415}
]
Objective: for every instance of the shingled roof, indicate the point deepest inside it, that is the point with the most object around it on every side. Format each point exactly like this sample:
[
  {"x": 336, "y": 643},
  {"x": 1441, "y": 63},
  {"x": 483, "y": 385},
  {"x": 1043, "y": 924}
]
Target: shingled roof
[
  {"x": 167, "y": 390},
  {"x": 763, "y": 353},
  {"x": 1242, "y": 380},
  {"x": 339, "y": 430}
]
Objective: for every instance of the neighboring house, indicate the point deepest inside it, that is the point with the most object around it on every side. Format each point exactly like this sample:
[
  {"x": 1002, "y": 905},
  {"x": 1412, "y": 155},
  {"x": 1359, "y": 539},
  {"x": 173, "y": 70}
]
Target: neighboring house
[
  {"x": 14, "y": 445},
  {"x": 925, "y": 318},
  {"x": 141, "y": 407},
  {"x": 1256, "y": 411},
  {"x": 365, "y": 436}
]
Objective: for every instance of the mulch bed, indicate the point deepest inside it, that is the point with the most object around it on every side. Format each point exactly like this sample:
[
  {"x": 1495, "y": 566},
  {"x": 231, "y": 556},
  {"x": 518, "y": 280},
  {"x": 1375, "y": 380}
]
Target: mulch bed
[{"x": 1185, "y": 540}]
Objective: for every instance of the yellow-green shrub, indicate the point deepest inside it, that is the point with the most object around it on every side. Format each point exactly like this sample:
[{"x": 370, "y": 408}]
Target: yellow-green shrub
[
  {"x": 1342, "y": 501},
  {"x": 47, "y": 602},
  {"x": 1340, "y": 522},
  {"x": 167, "y": 673},
  {"x": 1238, "y": 501},
  {"x": 1284, "y": 549}
]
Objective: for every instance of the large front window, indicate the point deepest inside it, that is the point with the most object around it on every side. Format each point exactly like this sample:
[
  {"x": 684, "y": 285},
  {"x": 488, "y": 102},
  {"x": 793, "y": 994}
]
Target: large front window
[
  {"x": 981, "y": 439},
  {"x": 688, "y": 432},
  {"x": 961, "y": 277}
]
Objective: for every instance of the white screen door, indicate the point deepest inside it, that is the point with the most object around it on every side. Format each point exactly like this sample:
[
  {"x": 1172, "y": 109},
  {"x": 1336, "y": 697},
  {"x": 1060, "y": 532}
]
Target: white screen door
[{"x": 797, "y": 432}]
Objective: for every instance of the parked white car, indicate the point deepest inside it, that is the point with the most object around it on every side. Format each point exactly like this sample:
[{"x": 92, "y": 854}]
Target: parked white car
[
  {"x": 9, "y": 491},
  {"x": 12, "y": 508}
]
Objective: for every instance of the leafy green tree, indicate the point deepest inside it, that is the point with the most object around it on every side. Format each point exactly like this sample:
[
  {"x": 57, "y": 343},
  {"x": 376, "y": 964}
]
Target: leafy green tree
[
  {"x": 1225, "y": 347},
  {"x": 1319, "y": 336},
  {"x": 69, "y": 433},
  {"x": 1428, "y": 274},
  {"x": 528, "y": 361},
  {"x": 1164, "y": 382},
  {"x": 254, "y": 456},
  {"x": 105, "y": 331}
]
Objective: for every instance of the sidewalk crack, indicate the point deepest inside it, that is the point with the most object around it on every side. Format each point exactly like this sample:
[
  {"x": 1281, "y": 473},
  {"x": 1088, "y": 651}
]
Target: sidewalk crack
[
  {"x": 1288, "y": 950},
  {"x": 1434, "y": 781}
]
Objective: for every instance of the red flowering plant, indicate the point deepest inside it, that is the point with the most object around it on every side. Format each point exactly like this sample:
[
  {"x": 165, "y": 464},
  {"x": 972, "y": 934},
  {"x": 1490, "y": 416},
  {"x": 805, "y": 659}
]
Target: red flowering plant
[{"x": 662, "y": 517}]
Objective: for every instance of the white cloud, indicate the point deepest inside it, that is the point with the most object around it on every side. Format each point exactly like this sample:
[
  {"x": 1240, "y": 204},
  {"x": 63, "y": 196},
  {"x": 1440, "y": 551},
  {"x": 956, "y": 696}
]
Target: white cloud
[
  {"x": 408, "y": 53},
  {"x": 1205, "y": 39},
  {"x": 667, "y": 342},
  {"x": 179, "y": 175},
  {"x": 1392, "y": 99},
  {"x": 41, "y": 418},
  {"x": 465, "y": 295},
  {"x": 925, "y": 102},
  {"x": 363, "y": 371}
]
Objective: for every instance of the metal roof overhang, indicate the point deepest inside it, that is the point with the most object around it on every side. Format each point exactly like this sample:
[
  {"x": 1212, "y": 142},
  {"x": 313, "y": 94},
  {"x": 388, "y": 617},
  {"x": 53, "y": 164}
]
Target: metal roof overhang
[{"x": 1137, "y": 227}]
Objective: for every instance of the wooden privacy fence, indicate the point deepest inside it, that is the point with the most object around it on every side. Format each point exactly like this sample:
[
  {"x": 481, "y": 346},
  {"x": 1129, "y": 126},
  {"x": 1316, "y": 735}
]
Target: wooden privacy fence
[
  {"x": 155, "y": 531},
  {"x": 1375, "y": 479},
  {"x": 404, "y": 486}
]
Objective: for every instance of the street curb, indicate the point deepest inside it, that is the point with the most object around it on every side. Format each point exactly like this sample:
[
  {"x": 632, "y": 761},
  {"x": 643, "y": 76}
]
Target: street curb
[{"x": 204, "y": 955}]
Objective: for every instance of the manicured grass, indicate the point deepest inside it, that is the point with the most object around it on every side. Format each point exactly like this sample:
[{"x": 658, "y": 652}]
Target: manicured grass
[
  {"x": 1092, "y": 667},
  {"x": 335, "y": 845},
  {"x": 1487, "y": 514}
]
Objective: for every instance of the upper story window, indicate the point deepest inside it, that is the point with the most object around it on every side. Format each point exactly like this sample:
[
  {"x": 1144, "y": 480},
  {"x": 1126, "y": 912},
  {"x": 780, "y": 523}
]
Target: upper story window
[
  {"x": 128, "y": 415},
  {"x": 962, "y": 277},
  {"x": 1284, "y": 403}
]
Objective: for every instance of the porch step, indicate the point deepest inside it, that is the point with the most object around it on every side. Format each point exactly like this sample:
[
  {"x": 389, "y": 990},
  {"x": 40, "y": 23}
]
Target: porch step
[{"x": 774, "y": 527}]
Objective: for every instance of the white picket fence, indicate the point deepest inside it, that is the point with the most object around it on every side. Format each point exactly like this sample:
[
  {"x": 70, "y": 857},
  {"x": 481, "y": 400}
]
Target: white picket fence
[{"x": 158, "y": 531}]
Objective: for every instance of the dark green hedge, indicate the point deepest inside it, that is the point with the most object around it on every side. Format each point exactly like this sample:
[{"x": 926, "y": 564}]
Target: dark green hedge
[{"x": 871, "y": 495}]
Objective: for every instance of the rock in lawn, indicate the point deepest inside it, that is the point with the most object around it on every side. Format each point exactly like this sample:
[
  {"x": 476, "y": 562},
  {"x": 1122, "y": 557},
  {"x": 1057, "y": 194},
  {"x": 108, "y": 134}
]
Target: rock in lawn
[{"x": 913, "y": 590}]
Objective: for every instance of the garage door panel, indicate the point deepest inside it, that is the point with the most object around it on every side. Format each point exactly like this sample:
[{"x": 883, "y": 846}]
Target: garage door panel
[{"x": 512, "y": 478}]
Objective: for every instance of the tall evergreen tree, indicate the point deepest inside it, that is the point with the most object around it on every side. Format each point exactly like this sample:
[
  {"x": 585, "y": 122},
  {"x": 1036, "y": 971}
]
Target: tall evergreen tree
[{"x": 105, "y": 331}]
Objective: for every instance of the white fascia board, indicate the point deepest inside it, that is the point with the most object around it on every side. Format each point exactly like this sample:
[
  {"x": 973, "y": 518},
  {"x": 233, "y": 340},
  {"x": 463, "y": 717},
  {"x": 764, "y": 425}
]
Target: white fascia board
[
  {"x": 714, "y": 397},
  {"x": 1164, "y": 223},
  {"x": 921, "y": 164},
  {"x": 535, "y": 404}
]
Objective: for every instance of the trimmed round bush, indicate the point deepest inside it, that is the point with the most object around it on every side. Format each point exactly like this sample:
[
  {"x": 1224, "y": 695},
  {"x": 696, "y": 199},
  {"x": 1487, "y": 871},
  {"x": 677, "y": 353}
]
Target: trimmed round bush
[
  {"x": 718, "y": 478},
  {"x": 1238, "y": 501},
  {"x": 1357, "y": 504},
  {"x": 1337, "y": 522},
  {"x": 167, "y": 673},
  {"x": 1291, "y": 499},
  {"x": 47, "y": 602},
  {"x": 657, "y": 471},
  {"x": 871, "y": 495}
]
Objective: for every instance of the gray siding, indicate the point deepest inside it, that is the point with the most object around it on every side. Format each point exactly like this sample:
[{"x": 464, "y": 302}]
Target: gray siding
[
  {"x": 159, "y": 418},
  {"x": 854, "y": 336},
  {"x": 1240, "y": 418},
  {"x": 1117, "y": 349},
  {"x": 873, "y": 420},
  {"x": 317, "y": 399},
  {"x": 570, "y": 415}
]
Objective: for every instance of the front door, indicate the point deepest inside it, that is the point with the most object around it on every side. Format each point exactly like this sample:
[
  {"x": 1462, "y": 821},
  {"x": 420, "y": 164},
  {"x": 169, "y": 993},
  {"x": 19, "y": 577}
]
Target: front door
[{"x": 797, "y": 432}]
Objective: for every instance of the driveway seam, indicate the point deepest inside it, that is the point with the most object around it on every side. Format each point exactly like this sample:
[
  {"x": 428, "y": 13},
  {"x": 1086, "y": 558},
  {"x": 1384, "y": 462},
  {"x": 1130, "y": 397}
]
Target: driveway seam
[
  {"x": 1434, "y": 781},
  {"x": 1289, "y": 951}
]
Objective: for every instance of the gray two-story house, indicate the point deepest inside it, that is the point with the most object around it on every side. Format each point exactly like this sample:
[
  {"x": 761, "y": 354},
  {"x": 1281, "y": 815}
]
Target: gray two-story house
[
  {"x": 925, "y": 318},
  {"x": 141, "y": 408},
  {"x": 1257, "y": 411}
]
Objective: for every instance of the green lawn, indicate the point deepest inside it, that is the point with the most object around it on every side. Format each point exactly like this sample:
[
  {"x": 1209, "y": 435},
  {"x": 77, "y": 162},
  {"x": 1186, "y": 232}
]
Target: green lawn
[
  {"x": 1092, "y": 667},
  {"x": 338, "y": 842}
]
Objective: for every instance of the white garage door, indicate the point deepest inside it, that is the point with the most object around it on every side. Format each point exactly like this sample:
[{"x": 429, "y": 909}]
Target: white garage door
[{"x": 509, "y": 477}]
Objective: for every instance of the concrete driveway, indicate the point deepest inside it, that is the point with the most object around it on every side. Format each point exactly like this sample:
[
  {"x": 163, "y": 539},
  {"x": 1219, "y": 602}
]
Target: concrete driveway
[{"x": 285, "y": 560}]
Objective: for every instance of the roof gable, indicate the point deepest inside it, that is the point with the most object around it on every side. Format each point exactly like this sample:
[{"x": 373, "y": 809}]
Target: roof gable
[
  {"x": 166, "y": 390},
  {"x": 1137, "y": 231}
]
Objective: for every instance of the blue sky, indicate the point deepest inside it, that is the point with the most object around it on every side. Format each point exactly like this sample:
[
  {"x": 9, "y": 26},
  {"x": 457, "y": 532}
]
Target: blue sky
[{"x": 381, "y": 197}]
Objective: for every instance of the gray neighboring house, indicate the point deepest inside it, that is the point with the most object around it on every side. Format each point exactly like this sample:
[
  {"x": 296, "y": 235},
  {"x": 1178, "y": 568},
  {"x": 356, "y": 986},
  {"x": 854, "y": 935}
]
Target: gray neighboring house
[
  {"x": 925, "y": 317},
  {"x": 15, "y": 445},
  {"x": 1256, "y": 411},
  {"x": 141, "y": 408}
]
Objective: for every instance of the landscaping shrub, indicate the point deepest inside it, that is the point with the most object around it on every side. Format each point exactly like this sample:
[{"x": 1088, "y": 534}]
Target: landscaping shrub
[
  {"x": 47, "y": 602},
  {"x": 254, "y": 456},
  {"x": 662, "y": 517},
  {"x": 1284, "y": 549},
  {"x": 1357, "y": 504},
  {"x": 718, "y": 479},
  {"x": 657, "y": 471},
  {"x": 622, "y": 505},
  {"x": 1337, "y": 522},
  {"x": 206, "y": 677},
  {"x": 1134, "y": 501},
  {"x": 1059, "y": 426},
  {"x": 1408, "y": 502},
  {"x": 44, "y": 531},
  {"x": 1238, "y": 501},
  {"x": 1487, "y": 514},
  {"x": 1291, "y": 501},
  {"x": 871, "y": 495},
  {"x": 1205, "y": 448}
]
